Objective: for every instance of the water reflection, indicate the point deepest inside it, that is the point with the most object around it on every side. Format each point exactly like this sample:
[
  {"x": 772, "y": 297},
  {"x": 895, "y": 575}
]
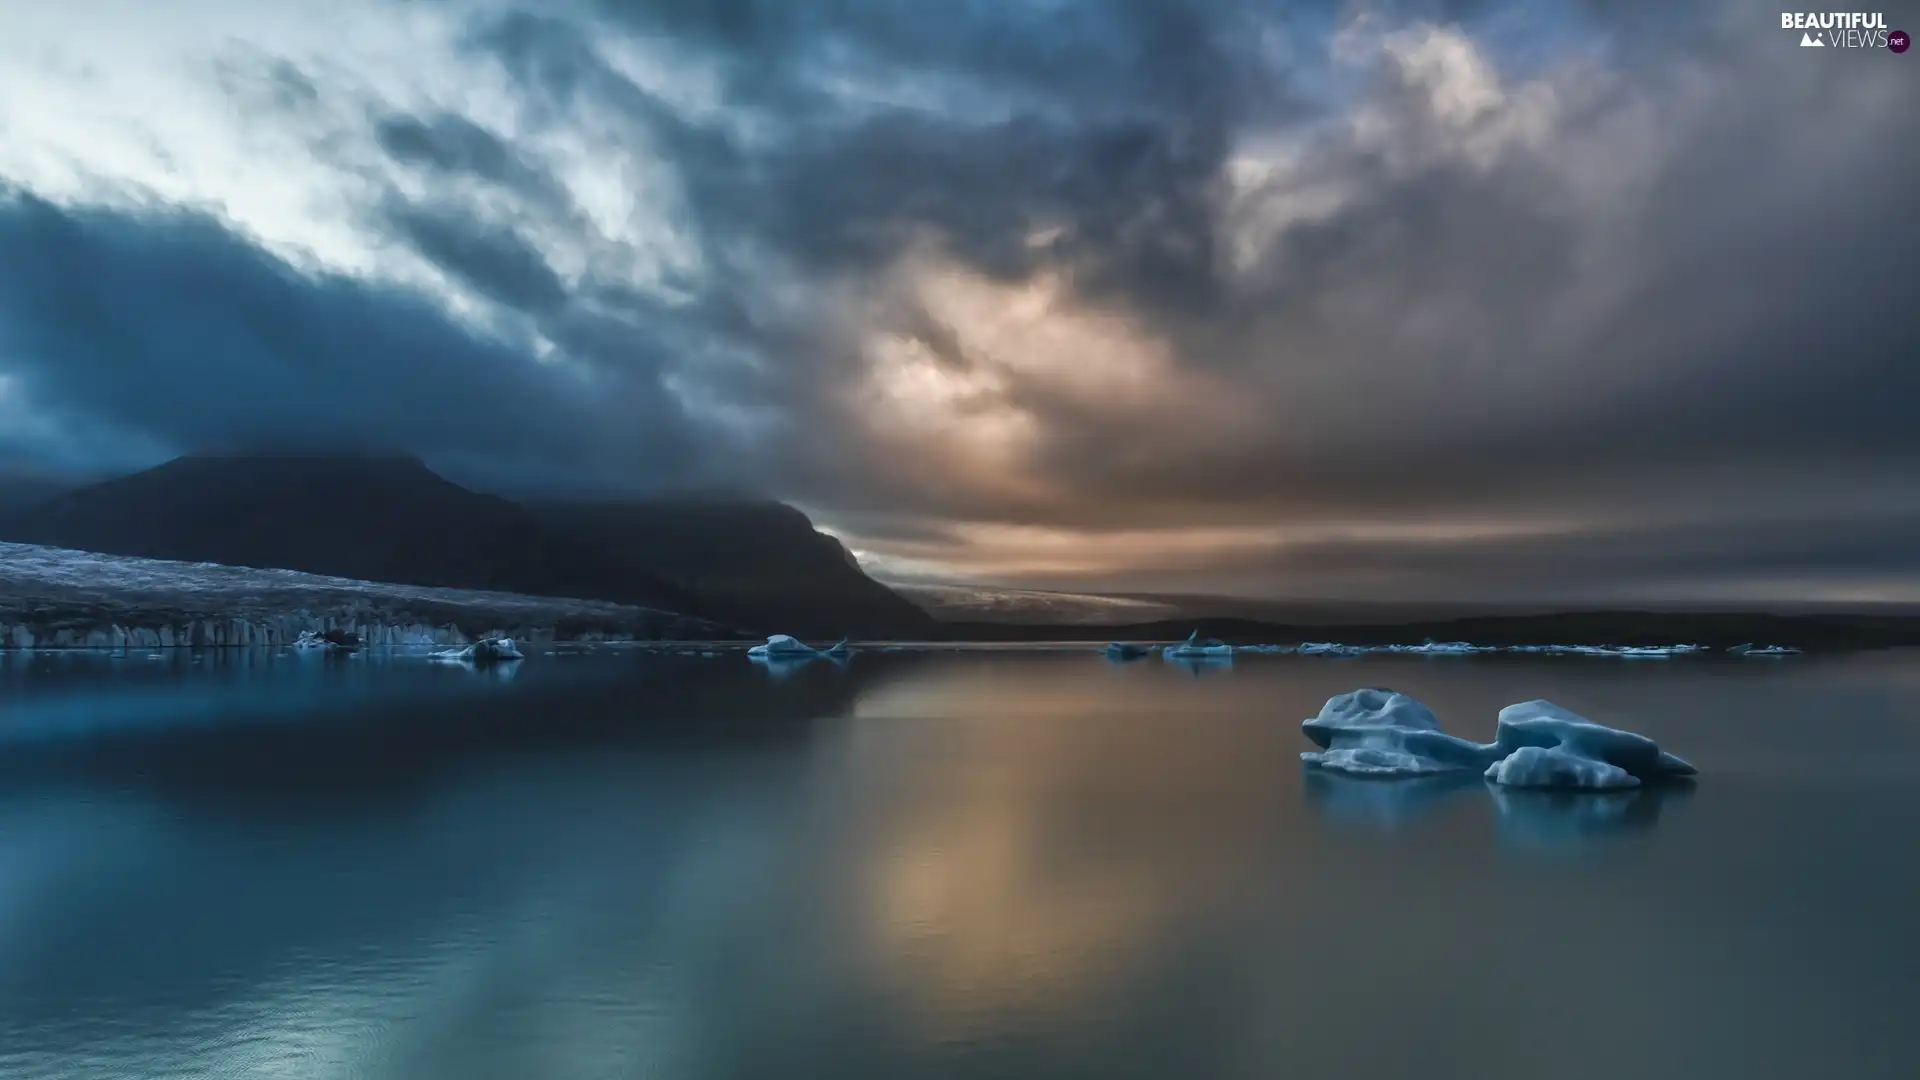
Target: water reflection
[
  {"x": 1560, "y": 819},
  {"x": 1532, "y": 820},
  {"x": 1385, "y": 805},
  {"x": 783, "y": 667},
  {"x": 1201, "y": 665},
  {"x": 916, "y": 864}
]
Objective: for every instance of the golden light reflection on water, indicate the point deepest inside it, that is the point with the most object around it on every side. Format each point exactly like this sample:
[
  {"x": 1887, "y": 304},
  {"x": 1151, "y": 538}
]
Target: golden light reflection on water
[{"x": 984, "y": 896}]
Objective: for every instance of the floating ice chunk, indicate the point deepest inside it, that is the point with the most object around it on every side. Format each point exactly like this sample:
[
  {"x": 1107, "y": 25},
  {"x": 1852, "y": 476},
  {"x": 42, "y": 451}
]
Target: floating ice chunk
[
  {"x": 1328, "y": 648},
  {"x": 1767, "y": 650},
  {"x": 1378, "y": 732},
  {"x": 1199, "y": 648},
  {"x": 781, "y": 645},
  {"x": 1383, "y": 733},
  {"x": 1374, "y": 707},
  {"x": 483, "y": 652},
  {"x": 1539, "y": 767},
  {"x": 783, "y": 654},
  {"x": 1126, "y": 650},
  {"x": 786, "y": 646},
  {"x": 1544, "y": 725},
  {"x": 1445, "y": 648},
  {"x": 1377, "y": 761}
]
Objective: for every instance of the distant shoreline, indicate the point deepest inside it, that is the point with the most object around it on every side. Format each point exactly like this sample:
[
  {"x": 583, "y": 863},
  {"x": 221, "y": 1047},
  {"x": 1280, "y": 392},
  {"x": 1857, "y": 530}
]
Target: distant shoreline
[{"x": 59, "y": 598}]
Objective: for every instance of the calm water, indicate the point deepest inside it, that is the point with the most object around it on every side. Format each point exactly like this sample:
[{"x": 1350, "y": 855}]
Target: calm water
[{"x": 937, "y": 865}]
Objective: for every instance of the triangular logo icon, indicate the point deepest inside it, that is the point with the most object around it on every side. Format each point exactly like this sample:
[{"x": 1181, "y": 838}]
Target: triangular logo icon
[{"x": 1808, "y": 41}]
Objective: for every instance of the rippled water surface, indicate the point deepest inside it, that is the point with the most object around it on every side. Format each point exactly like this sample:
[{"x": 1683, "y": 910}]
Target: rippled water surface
[{"x": 983, "y": 864}]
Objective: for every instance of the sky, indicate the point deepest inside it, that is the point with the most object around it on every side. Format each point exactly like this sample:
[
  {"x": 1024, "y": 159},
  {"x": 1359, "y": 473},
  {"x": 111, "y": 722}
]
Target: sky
[{"x": 1476, "y": 301}]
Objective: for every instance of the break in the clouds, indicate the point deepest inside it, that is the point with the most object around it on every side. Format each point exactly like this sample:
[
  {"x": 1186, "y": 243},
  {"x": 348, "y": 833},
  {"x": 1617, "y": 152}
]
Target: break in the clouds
[{"x": 1476, "y": 300}]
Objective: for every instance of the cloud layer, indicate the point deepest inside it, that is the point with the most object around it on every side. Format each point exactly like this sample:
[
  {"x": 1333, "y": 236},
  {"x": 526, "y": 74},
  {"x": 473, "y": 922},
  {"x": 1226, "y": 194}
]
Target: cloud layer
[{"x": 1425, "y": 301}]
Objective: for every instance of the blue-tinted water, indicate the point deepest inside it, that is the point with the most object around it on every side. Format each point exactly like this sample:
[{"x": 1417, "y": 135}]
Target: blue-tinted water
[{"x": 937, "y": 865}]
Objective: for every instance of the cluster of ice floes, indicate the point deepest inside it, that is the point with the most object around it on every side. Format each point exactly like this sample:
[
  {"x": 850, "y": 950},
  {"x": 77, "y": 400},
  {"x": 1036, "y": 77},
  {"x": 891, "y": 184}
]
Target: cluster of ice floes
[
  {"x": 1464, "y": 648},
  {"x": 483, "y": 652},
  {"x": 1196, "y": 647},
  {"x": 1537, "y": 744}
]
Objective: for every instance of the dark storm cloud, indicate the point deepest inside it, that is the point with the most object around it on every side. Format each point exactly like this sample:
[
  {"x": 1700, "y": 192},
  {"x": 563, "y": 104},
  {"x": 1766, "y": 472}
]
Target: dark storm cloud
[
  {"x": 1612, "y": 266},
  {"x": 497, "y": 262},
  {"x": 1413, "y": 318},
  {"x": 169, "y": 330},
  {"x": 454, "y": 145}
]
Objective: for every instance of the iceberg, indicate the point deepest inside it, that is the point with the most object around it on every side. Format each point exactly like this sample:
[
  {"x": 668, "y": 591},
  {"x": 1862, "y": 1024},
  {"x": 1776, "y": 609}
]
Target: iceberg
[
  {"x": 787, "y": 647},
  {"x": 1536, "y": 744},
  {"x": 1199, "y": 648},
  {"x": 1126, "y": 650},
  {"x": 483, "y": 652},
  {"x": 1766, "y": 650},
  {"x": 1379, "y": 732}
]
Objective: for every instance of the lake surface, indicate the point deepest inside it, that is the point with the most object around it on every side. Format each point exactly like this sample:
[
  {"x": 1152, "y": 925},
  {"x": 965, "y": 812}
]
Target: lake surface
[{"x": 961, "y": 864}]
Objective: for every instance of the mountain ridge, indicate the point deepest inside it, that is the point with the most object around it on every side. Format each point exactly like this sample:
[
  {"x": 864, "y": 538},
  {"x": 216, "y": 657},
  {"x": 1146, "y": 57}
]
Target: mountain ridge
[{"x": 388, "y": 517}]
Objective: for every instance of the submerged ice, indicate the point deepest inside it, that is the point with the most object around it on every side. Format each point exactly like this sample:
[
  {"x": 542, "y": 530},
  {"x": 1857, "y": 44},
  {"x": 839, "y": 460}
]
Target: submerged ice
[{"x": 1536, "y": 744}]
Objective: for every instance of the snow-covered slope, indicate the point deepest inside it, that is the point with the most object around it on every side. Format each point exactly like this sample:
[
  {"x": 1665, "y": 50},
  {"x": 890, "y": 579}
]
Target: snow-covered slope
[
  {"x": 59, "y": 597},
  {"x": 984, "y": 603}
]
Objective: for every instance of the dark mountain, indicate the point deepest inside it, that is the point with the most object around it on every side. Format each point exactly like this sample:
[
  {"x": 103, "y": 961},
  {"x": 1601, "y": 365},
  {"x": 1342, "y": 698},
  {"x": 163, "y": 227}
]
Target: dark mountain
[
  {"x": 21, "y": 494},
  {"x": 751, "y": 562},
  {"x": 377, "y": 518}
]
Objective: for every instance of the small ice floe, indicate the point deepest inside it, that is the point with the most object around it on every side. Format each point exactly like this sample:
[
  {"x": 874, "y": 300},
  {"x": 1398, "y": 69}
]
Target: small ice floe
[
  {"x": 1199, "y": 648},
  {"x": 787, "y": 647},
  {"x": 1764, "y": 650},
  {"x": 1329, "y": 648},
  {"x": 1442, "y": 648},
  {"x": 1536, "y": 744},
  {"x": 482, "y": 653},
  {"x": 1126, "y": 650}
]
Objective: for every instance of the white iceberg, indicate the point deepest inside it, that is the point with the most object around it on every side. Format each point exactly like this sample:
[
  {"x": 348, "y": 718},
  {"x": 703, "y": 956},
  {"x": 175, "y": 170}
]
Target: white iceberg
[
  {"x": 1542, "y": 725},
  {"x": 1379, "y": 732},
  {"x": 1199, "y": 648},
  {"x": 1538, "y": 767},
  {"x": 1383, "y": 733},
  {"x": 1764, "y": 650},
  {"x": 483, "y": 652},
  {"x": 789, "y": 648}
]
